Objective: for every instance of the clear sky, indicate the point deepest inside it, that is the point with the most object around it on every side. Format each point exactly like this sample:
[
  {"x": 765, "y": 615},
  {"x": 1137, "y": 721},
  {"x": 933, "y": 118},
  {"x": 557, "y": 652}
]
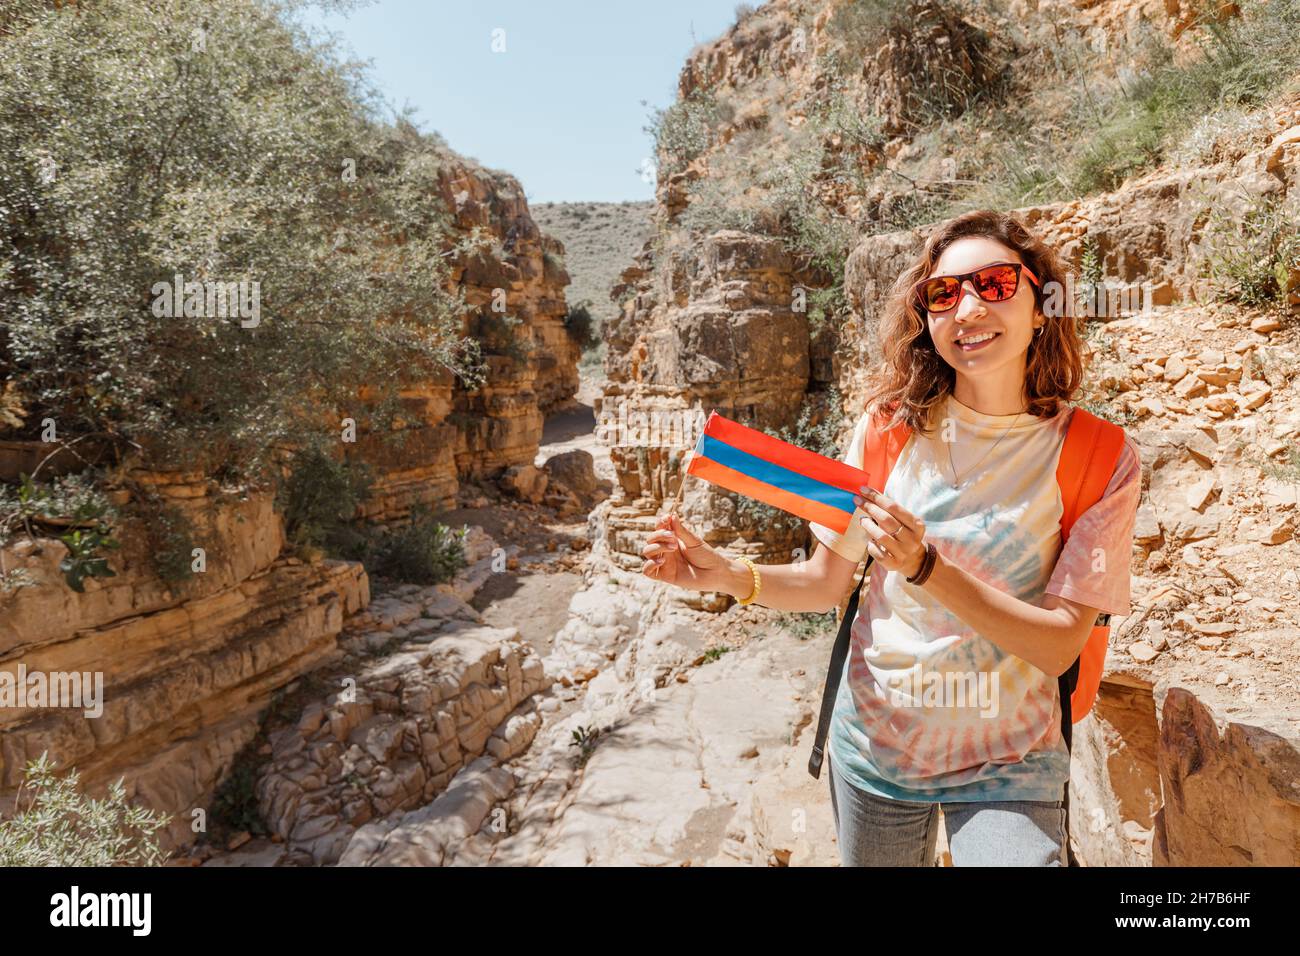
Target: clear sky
[{"x": 560, "y": 105}]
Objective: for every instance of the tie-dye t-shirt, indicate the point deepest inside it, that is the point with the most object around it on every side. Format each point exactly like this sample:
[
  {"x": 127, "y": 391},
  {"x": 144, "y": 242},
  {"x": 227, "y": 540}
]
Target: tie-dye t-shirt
[{"x": 927, "y": 709}]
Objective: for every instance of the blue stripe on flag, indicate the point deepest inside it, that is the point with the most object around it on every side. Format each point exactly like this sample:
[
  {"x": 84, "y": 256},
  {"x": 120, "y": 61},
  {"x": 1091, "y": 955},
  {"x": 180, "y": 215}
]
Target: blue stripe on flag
[{"x": 773, "y": 474}]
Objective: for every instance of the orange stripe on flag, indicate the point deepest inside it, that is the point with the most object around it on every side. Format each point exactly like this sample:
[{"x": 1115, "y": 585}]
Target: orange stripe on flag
[{"x": 729, "y": 478}]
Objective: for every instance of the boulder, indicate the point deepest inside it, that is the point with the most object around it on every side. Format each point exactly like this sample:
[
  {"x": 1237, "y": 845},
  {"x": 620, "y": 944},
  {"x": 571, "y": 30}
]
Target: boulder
[
  {"x": 575, "y": 470},
  {"x": 526, "y": 482}
]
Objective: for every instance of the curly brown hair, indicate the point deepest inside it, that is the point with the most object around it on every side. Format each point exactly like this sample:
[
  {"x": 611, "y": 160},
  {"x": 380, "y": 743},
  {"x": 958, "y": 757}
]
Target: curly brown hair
[{"x": 915, "y": 380}]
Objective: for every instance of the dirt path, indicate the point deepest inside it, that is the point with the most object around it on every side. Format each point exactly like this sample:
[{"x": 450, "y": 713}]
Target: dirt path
[
  {"x": 575, "y": 430},
  {"x": 534, "y": 601}
]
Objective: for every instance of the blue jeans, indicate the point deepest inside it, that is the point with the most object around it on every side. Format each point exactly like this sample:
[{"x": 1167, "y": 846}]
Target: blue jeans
[{"x": 878, "y": 831}]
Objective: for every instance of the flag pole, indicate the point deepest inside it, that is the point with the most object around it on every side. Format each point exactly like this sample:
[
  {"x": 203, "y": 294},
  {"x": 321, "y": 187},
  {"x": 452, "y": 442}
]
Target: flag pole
[
  {"x": 677, "y": 498},
  {"x": 681, "y": 485}
]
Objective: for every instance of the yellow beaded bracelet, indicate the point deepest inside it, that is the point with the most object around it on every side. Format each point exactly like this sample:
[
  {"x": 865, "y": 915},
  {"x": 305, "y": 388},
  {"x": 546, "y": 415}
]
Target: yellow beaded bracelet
[{"x": 758, "y": 580}]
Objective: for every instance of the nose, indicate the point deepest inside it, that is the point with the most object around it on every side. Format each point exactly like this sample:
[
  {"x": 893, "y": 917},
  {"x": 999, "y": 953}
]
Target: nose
[{"x": 975, "y": 302}]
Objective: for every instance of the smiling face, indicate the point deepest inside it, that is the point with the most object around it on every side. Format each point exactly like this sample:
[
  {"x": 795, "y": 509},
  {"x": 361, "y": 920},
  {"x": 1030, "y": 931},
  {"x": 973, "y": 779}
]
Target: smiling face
[{"x": 998, "y": 362}]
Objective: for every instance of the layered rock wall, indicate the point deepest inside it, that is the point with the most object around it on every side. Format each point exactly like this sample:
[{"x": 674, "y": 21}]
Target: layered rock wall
[
  {"x": 728, "y": 339},
  {"x": 184, "y": 674},
  {"x": 452, "y": 433}
]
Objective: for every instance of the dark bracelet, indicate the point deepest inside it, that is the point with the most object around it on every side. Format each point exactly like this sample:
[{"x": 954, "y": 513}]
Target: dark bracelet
[{"x": 927, "y": 565}]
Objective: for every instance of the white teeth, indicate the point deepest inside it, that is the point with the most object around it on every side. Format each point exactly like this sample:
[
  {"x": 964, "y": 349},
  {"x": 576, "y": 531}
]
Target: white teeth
[{"x": 974, "y": 339}]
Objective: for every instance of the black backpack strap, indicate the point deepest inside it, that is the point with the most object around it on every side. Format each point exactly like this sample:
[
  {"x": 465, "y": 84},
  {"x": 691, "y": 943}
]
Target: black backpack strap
[
  {"x": 1065, "y": 686},
  {"x": 839, "y": 653}
]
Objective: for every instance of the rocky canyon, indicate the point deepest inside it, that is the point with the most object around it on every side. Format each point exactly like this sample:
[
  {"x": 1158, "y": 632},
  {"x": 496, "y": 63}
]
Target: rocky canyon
[{"x": 547, "y": 704}]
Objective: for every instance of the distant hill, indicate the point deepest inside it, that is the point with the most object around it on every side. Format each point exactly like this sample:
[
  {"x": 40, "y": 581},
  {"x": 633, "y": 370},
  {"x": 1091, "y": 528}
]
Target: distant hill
[{"x": 600, "y": 238}]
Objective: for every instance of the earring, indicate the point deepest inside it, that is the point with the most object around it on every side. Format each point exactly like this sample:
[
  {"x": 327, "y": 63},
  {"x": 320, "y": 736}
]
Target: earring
[{"x": 1039, "y": 330}]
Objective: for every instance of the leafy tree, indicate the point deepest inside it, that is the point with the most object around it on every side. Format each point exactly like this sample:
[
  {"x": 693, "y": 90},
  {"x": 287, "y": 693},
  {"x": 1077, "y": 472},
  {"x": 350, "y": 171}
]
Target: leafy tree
[{"x": 220, "y": 141}]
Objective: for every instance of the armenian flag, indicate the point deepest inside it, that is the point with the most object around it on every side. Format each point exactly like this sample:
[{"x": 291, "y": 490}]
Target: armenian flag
[{"x": 777, "y": 473}]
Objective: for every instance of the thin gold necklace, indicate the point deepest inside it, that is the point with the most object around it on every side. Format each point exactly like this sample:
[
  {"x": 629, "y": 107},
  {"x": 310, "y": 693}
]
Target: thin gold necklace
[{"x": 957, "y": 484}]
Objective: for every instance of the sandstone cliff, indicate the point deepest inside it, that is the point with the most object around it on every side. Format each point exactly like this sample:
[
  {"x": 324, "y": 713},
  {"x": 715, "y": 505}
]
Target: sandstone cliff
[
  {"x": 453, "y": 433},
  {"x": 183, "y": 679}
]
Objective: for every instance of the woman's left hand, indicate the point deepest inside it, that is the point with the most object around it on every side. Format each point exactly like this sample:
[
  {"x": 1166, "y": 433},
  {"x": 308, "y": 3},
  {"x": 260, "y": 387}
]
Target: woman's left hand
[{"x": 896, "y": 535}]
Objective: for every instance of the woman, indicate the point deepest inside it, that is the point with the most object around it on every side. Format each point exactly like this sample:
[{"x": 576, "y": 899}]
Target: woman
[{"x": 982, "y": 369}]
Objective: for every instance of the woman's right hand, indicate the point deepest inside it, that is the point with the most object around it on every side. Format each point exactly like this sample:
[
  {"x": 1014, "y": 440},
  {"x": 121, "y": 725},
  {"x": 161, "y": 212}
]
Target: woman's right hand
[{"x": 676, "y": 555}]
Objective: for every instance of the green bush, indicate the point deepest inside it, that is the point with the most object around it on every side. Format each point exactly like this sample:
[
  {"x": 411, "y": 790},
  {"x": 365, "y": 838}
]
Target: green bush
[
  {"x": 1106, "y": 407},
  {"x": 75, "y": 497},
  {"x": 1223, "y": 126},
  {"x": 684, "y": 130},
  {"x": 235, "y": 806},
  {"x": 83, "y": 559},
  {"x": 499, "y": 334},
  {"x": 592, "y": 363},
  {"x": 54, "y": 824},
  {"x": 820, "y": 421},
  {"x": 941, "y": 79},
  {"x": 808, "y": 626},
  {"x": 420, "y": 552},
  {"x": 1241, "y": 62},
  {"x": 584, "y": 738},
  {"x": 773, "y": 182},
  {"x": 172, "y": 539},
  {"x": 320, "y": 497},
  {"x": 47, "y": 509},
  {"x": 148, "y": 138},
  {"x": 1255, "y": 255},
  {"x": 581, "y": 325},
  {"x": 1085, "y": 126},
  {"x": 1091, "y": 268},
  {"x": 858, "y": 29},
  {"x": 554, "y": 261}
]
